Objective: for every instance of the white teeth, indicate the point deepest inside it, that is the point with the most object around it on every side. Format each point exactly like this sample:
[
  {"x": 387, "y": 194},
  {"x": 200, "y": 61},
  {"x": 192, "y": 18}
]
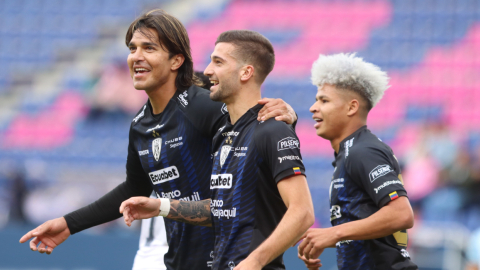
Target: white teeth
[
  {"x": 140, "y": 69},
  {"x": 213, "y": 82}
]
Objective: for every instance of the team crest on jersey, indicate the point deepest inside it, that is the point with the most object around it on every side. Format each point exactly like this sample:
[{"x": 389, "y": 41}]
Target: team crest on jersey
[
  {"x": 225, "y": 150},
  {"x": 231, "y": 264},
  {"x": 224, "y": 154},
  {"x": 157, "y": 148}
]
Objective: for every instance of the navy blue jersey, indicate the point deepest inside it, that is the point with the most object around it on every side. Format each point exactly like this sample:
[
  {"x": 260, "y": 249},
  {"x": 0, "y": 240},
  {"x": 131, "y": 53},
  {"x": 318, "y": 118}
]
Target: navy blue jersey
[
  {"x": 250, "y": 158},
  {"x": 172, "y": 151},
  {"x": 366, "y": 177}
]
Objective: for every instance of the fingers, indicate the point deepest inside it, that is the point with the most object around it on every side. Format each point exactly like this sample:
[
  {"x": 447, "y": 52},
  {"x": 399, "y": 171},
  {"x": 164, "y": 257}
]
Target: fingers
[
  {"x": 49, "y": 250},
  {"x": 126, "y": 216},
  {"x": 306, "y": 251},
  {"x": 131, "y": 201},
  {"x": 27, "y": 236},
  {"x": 264, "y": 101},
  {"x": 34, "y": 243},
  {"x": 271, "y": 105},
  {"x": 42, "y": 248},
  {"x": 311, "y": 263},
  {"x": 302, "y": 245}
]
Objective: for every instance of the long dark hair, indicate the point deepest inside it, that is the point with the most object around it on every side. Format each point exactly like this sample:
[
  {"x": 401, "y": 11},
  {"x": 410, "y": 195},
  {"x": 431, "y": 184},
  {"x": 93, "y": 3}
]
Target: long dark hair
[{"x": 173, "y": 38}]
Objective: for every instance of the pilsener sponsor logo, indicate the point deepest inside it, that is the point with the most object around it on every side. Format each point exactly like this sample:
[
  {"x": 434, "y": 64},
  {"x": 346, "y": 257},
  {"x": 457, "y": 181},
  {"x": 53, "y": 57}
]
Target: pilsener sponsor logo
[
  {"x": 164, "y": 175},
  {"x": 387, "y": 183},
  {"x": 287, "y": 143},
  {"x": 221, "y": 181},
  {"x": 379, "y": 171}
]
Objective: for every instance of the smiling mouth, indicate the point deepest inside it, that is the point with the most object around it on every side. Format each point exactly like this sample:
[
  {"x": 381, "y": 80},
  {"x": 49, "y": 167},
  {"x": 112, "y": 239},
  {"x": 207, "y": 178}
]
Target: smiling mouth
[
  {"x": 214, "y": 82},
  {"x": 318, "y": 120},
  {"x": 140, "y": 70}
]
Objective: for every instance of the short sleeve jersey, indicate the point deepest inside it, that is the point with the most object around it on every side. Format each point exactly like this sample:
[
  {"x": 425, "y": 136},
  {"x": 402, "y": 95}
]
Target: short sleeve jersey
[
  {"x": 172, "y": 151},
  {"x": 249, "y": 159},
  {"x": 367, "y": 176}
]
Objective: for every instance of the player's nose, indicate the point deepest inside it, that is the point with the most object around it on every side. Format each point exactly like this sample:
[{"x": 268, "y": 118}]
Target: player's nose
[{"x": 208, "y": 70}]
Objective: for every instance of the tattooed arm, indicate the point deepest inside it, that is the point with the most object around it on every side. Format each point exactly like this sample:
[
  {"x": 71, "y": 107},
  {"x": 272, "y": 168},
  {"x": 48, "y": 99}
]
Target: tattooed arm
[
  {"x": 195, "y": 212},
  {"x": 192, "y": 212}
]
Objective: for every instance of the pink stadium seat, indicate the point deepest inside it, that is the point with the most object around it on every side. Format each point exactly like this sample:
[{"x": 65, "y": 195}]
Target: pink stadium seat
[
  {"x": 51, "y": 128},
  {"x": 354, "y": 20}
]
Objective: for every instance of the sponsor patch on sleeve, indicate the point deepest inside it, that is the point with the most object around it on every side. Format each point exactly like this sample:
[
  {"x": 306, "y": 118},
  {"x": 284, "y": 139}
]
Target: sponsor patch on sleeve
[
  {"x": 296, "y": 170},
  {"x": 379, "y": 171},
  {"x": 393, "y": 195}
]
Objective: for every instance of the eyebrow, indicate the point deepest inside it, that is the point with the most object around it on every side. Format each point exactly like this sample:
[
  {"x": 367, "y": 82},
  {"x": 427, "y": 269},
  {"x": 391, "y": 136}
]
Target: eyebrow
[
  {"x": 144, "y": 44},
  {"x": 321, "y": 96},
  {"x": 217, "y": 57}
]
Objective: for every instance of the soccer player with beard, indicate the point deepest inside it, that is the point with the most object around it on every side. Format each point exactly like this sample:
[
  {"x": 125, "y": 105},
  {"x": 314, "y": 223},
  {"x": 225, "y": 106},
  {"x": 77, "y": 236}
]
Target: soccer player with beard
[
  {"x": 170, "y": 141},
  {"x": 370, "y": 211},
  {"x": 260, "y": 202}
]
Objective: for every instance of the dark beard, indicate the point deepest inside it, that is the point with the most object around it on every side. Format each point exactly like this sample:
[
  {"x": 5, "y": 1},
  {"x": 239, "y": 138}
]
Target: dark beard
[{"x": 221, "y": 94}]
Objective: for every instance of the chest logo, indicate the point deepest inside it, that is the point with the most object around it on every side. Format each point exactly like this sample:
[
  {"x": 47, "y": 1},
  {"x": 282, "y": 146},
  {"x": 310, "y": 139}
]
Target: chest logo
[
  {"x": 225, "y": 151},
  {"x": 221, "y": 181},
  {"x": 164, "y": 175},
  {"x": 157, "y": 148}
]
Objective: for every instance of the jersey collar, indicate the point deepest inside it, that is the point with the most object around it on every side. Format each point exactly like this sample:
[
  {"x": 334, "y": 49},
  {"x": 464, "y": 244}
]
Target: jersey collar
[
  {"x": 247, "y": 115},
  {"x": 342, "y": 143}
]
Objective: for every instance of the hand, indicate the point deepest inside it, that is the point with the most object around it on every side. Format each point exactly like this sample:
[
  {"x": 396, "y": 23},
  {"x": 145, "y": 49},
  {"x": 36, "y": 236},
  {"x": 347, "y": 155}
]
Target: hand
[
  {"x": 249, "y": 264},
  {"x": 311, "y": 264},
  {"x": 315, "y": 241},
  {"x": 139, "y": 208},
  {"x": 50, "y": 234},
  {"x": 276, "y": 108}
]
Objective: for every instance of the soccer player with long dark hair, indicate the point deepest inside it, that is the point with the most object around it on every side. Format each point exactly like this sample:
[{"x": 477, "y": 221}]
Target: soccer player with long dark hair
[{"x": 170, "y": 142}]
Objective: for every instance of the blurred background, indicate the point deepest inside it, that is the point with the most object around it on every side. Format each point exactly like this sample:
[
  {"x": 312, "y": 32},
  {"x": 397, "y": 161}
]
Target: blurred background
[{"x": 66, "y": 103}]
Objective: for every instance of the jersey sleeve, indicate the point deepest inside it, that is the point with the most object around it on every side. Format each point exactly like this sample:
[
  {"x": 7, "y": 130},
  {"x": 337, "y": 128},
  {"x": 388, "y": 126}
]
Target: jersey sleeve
[
  {"x": 279, "y": 146},
  {"x": 378, "y": 172},
  {"x": 205, "y": 114}
]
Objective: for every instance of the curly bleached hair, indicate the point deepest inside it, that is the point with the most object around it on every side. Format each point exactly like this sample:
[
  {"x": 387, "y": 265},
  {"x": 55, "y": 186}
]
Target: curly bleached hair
[{"x": 345, "y": 71}]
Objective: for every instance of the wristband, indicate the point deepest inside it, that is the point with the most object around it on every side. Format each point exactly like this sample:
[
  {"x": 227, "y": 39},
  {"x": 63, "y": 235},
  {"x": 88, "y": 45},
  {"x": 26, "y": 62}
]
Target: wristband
[{"x": 164, "y": 207}]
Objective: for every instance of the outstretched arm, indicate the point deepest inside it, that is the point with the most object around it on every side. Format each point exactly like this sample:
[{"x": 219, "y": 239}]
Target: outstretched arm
[{"x": 192, "y": 212}]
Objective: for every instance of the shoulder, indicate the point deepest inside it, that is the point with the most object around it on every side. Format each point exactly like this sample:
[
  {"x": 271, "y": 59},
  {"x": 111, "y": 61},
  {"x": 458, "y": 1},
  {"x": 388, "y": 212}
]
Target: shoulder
[
  {"x": 367, "y": 143},
  {"x": 368, "y": 149},
  {"x": 272, "y": 134},
  {"x": 272, "y": 127}
]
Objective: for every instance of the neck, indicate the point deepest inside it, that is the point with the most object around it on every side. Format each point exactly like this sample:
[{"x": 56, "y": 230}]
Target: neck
[
  {"x": 347, "y": 131},
  {"x": 246, "y": 98},
  {"x": 160, "y": 97}
]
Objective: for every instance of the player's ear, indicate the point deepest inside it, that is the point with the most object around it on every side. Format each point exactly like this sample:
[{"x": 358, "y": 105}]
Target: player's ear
[
  {"x": 246, "y": 73},
  {"x": 353, "y": 107},
  {"x": 177, "y": 61}
]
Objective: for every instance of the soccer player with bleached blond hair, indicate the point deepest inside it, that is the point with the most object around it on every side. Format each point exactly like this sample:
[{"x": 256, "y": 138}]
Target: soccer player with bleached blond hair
[{"x": 370, "y": 211}]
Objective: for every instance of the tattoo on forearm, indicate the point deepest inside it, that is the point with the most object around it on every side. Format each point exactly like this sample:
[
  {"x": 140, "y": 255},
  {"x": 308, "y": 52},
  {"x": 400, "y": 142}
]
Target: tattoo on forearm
[{"x": 192, "y": 212}]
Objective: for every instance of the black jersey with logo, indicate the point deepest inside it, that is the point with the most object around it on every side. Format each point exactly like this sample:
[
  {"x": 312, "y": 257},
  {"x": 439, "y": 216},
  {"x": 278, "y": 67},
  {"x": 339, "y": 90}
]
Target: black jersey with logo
[
  {"x": 366, "y": 177},
  {"x": 172, "y": 151},
  {"x": 250, "y": 158}
]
